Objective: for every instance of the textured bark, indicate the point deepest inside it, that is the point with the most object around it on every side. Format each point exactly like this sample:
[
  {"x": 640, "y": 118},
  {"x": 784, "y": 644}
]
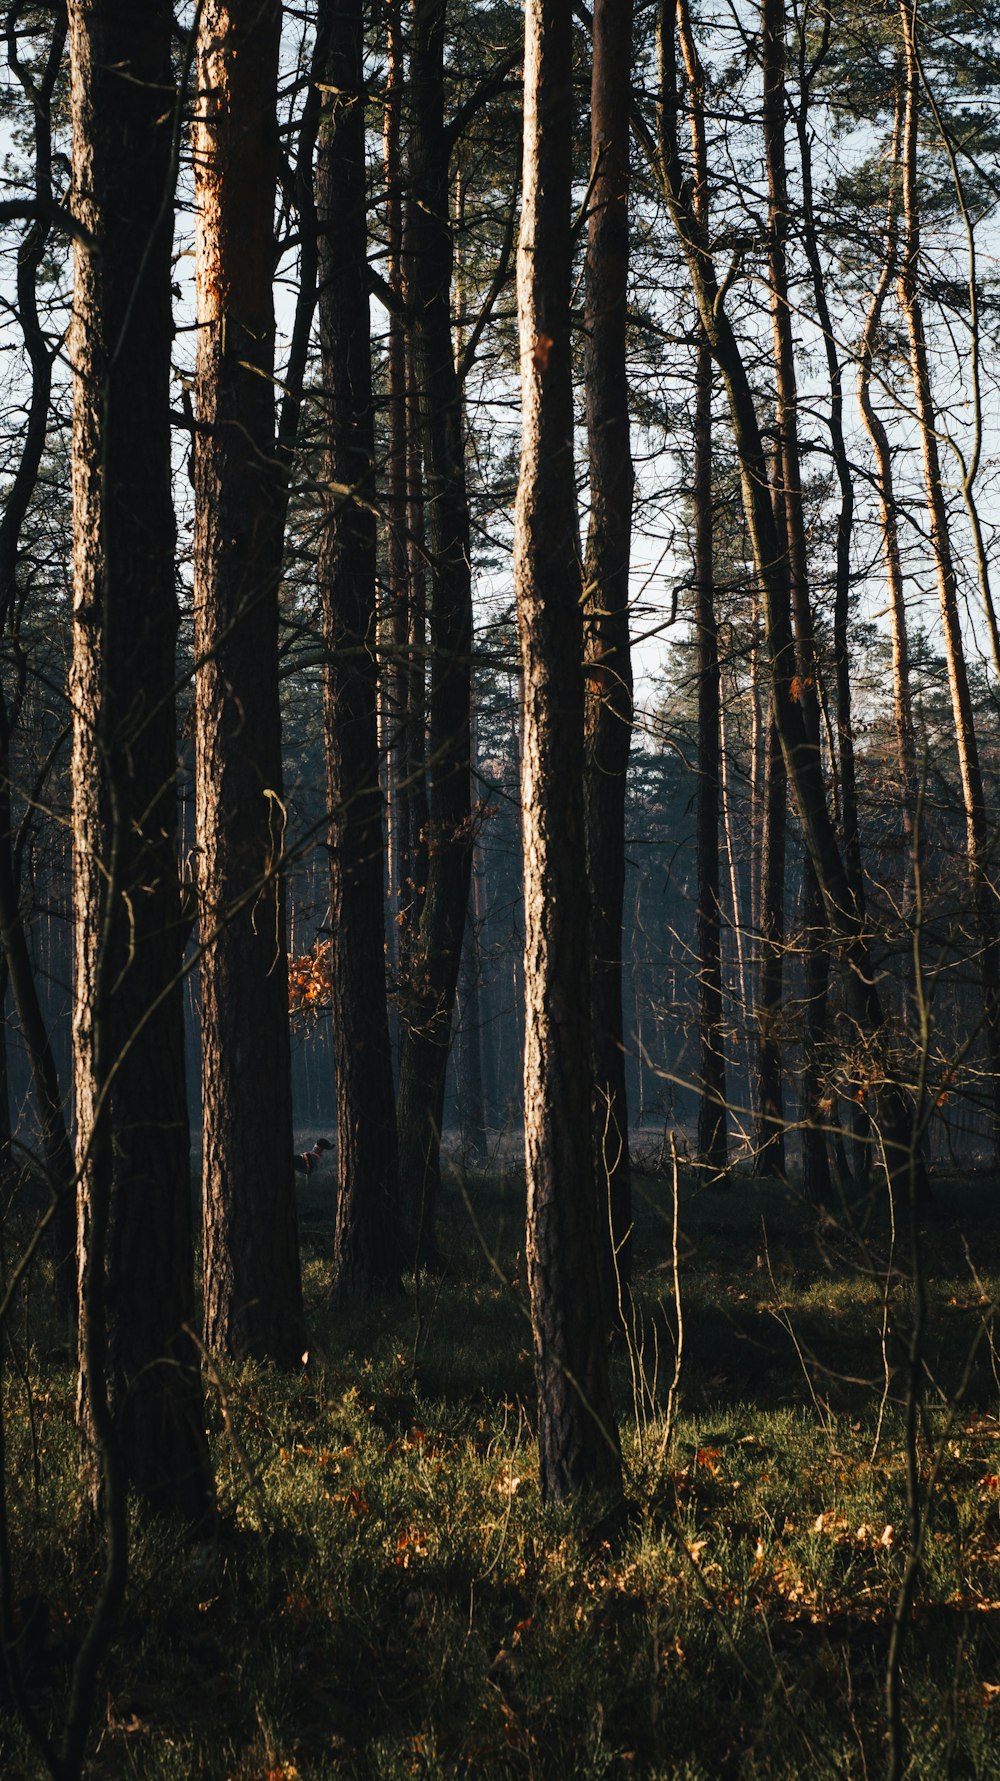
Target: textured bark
[
  {"x": 366, "y": 1250},
  {"x": 577, "y": 1437},
  {"x": 608, "y": 707},
  {"x": 429, "y": 993},
  {"x": 970, "y": 770},
  {"x": 253, "y": 1295},
  {"x": 139, "y": 1388}
]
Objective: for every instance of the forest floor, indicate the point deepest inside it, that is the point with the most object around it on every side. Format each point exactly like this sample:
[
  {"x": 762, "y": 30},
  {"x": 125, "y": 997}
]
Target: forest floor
[{"x": 385, "y": 1596}]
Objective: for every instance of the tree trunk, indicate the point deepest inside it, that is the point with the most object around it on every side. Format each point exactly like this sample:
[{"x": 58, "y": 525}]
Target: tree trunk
[
  {"x": 815, "y": 1158},
  {"x": 429, "y": 997},
  {"x": 712, "y": 1135},
  {"x": 54, "y": 1142},
  {"x": 577, "y": 1437},
  {"x": 769, "y": 1133},
  {"x": 607, "y": 656},
  {"x": 140, "y": 1401},
  {"x": 366, "y": 1245},
  {"x": 397, "y": 576},
  {"x": 906, "y": 747},
  {"x": 977, "y": 823},
  {"x": 253, "y": 1293}
]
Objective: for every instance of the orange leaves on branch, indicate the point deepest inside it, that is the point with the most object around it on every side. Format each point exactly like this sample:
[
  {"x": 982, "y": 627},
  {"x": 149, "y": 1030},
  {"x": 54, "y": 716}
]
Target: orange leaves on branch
[
  {"x": 309, "y": 986},
  {"x": 799, "y": 685}
]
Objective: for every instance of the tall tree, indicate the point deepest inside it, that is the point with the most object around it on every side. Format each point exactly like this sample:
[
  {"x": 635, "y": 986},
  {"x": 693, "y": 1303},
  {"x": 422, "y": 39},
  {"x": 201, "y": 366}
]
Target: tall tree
[
  {"x": 577, "y": 1437},
  {"x": 712, "y": 1135},
  {"x": 608, "y": 708},
  {"x": 978, "y": 839},
  {"x": 54, "y": 1140},
  {"x": 139, "y": 1383},
  {"x": 429, "y": 994},
  {"x": 253, "y": 1293},
  {"x": 906, "y": 746},
  {"x": 788, "y": 478},
  {"x": 366, "y": 1243}
]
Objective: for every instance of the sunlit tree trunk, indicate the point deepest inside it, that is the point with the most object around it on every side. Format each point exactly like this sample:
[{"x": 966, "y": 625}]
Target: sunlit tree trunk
[
  {"x": 140, "y": 1401},
  {"x": 253, "y": 1292},
  {"x": 577, "y": 1436}
]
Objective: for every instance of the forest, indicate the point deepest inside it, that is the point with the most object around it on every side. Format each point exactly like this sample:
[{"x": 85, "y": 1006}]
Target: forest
[{"x": 499, "y": 889}]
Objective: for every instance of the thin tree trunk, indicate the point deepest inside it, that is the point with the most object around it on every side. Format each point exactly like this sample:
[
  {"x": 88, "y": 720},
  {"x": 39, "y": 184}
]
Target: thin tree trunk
[
  {"x": 54, "y": 1142},
  {"x": 577, "y": 1436},
  {"x": 469, "y": 1075},
  {"x": 841, "y": 463},
  {"x": 397, "y": 576},
  {"x": 139, "y": 1399},
  {"x": 253, "y": 1291},
  {"x": 712, "y": 1134},
  {"x": 769, "y": 1134},
  {"x": 608, "y": 707},
  {"x": 744, "y": 1014},
  {"x": 970, "y": 770},
  {"x": 815, "y": 1158},
  {"x": 366, "y": 1250},
  {"x": 429, "y": 997},
  {"x": 906, "y": 747},
  {"x": 712, "y": 1137}
]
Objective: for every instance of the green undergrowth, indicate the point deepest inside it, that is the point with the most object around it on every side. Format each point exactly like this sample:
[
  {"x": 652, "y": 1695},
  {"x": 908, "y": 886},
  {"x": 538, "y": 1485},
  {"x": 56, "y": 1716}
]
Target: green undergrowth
[{"x": 384, "y": 1594}]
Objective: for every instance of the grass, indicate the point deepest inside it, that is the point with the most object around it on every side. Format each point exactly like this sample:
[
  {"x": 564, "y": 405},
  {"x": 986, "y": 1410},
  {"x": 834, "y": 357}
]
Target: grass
[{"x": 386, "y": 1596}]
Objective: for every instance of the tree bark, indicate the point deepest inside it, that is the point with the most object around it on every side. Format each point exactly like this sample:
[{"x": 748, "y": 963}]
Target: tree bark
[
  {"x": 607, "y": 656},
  {"x": 54, "y": 1141},
  {"x": 366, "y": 1243},
  {"x": 253, "y": 1293},
  {"x": 769, "y": 1130},
  {"x": 397, "y": 556},
  {"x": 429, "y": 994},
  {"x": 712, "y": 1134},
  {"x": 140, "y": 1403},
  {"x": 577, "y": 1436},
  {"x": 815, "y": 1158}
]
